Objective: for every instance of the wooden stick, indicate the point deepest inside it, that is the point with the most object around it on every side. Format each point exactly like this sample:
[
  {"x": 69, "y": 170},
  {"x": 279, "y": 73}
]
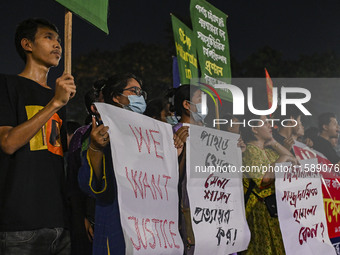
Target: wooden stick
[
  {"x": 217, "y": 113},
  {"x": 68, "y": 42}
]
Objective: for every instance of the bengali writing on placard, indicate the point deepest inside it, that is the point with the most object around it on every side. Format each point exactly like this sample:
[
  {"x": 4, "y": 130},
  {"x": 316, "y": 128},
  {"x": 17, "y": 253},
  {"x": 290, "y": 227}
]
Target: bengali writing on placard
[
  {"x": 209, "y": 24},
  {"x": 330, "y": 187},
  {"x": 210, "y": 29},
  {"x": 300, "y": 210},
  {"x": 186, "y": 51},
  {"x": 216, "y": 197},
  {"x": 216, "y": 190}
]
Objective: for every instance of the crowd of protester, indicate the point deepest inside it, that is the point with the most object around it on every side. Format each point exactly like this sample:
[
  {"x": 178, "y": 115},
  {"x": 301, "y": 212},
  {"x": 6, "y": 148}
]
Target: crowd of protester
[{"x": 42, "y": 212}]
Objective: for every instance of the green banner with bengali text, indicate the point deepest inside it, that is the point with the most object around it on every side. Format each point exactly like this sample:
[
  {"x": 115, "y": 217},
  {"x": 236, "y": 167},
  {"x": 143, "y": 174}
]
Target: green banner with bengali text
[
  {"x": 210, "y": 29},
  {"x": 186, "y": 51}
]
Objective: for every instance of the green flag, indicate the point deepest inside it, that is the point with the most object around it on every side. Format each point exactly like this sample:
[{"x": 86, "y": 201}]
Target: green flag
[
  {"x": 186, "y": 51},
  {"x": 210, "y": 29},
  {"x": 94, "y": 11}
]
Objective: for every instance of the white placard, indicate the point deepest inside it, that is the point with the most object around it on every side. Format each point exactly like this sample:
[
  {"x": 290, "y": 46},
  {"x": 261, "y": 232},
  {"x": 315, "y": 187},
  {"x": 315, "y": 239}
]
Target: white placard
[
  {"x": 146, "y": 170},
  {"x": 301, "y": 211},
  {"x": 216, "y": 198}
]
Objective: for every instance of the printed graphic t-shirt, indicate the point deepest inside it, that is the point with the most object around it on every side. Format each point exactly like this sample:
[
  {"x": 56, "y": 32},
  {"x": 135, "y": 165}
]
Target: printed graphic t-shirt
[{"x": 32, "y": 179}]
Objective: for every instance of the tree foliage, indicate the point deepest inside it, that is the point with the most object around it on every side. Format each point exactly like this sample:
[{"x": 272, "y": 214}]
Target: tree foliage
[{"x": 153, "y": 64}]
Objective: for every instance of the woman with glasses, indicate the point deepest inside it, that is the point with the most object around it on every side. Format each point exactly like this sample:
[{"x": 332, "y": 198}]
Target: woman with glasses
[{"x": 96, "y": 176}]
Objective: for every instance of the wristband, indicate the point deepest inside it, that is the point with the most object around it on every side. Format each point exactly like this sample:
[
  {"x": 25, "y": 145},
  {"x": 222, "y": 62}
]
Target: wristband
[{"x": 91, "y": 148}]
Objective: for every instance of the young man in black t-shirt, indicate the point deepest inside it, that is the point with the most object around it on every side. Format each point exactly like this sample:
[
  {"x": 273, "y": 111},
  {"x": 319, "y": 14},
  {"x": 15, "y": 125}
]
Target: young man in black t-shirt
[
  {"x": 328, "y": 129},
  {"x": 32, "y": 134}
]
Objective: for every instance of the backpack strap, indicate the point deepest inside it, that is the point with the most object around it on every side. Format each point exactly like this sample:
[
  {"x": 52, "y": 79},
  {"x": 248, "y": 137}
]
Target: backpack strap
[{"x": 249, "y": 191}]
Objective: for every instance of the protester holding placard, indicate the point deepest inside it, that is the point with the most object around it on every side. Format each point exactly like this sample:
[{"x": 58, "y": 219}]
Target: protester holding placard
[
  {"x": 82, "y": 206},
  {"x": 96, "y": 175},
  {"x": 262, "y": 151},
  {"x": 187, "y": 104}
]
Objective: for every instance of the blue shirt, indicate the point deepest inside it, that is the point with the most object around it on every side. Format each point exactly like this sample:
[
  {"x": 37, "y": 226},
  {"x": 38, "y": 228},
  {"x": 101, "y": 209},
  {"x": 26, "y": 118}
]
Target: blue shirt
[{"x": 108, "y": 233}]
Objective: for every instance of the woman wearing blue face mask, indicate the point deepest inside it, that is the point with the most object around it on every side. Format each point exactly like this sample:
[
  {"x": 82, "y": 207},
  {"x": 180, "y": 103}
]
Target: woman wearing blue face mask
[
  {"x": 96, "y": 176},
  {"x": 187, "y": 105},
  {"x": 124, "y": 90},
  {"x": 159, "y": 109}
]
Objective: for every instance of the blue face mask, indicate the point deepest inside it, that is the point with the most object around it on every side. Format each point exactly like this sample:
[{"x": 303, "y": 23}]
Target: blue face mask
[
  {"x": 198, "y": 116},
  {"x": 172, "y": 120},
  {"x": 137, "y": 103}
]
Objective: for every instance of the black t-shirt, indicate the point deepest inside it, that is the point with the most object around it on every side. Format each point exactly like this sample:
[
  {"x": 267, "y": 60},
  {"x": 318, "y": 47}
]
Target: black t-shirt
[
  {"x": 325, "y": 147},
  {"x": 32, "y": 179}
]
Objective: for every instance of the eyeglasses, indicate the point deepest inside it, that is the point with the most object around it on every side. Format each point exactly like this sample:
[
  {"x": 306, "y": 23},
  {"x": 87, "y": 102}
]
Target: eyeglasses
[{"x": 138, "y": 91}]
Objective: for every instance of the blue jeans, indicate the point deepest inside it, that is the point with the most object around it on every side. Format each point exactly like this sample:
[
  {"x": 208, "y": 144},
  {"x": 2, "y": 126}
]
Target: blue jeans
[{"x": 55, "y": 241}]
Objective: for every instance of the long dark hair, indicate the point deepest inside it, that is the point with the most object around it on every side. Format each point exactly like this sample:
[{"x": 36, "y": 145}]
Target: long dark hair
[
  {"x": 247, "y": 133},
  {"x": 115, "y": 85},
  {"x": 182, "y": 93}
]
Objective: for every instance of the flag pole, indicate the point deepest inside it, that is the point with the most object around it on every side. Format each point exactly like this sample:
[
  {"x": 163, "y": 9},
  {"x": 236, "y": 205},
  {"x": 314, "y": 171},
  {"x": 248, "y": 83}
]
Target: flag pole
[
  {"x": 68, "y": 41},
  {"x": 217, "y": 114}
]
